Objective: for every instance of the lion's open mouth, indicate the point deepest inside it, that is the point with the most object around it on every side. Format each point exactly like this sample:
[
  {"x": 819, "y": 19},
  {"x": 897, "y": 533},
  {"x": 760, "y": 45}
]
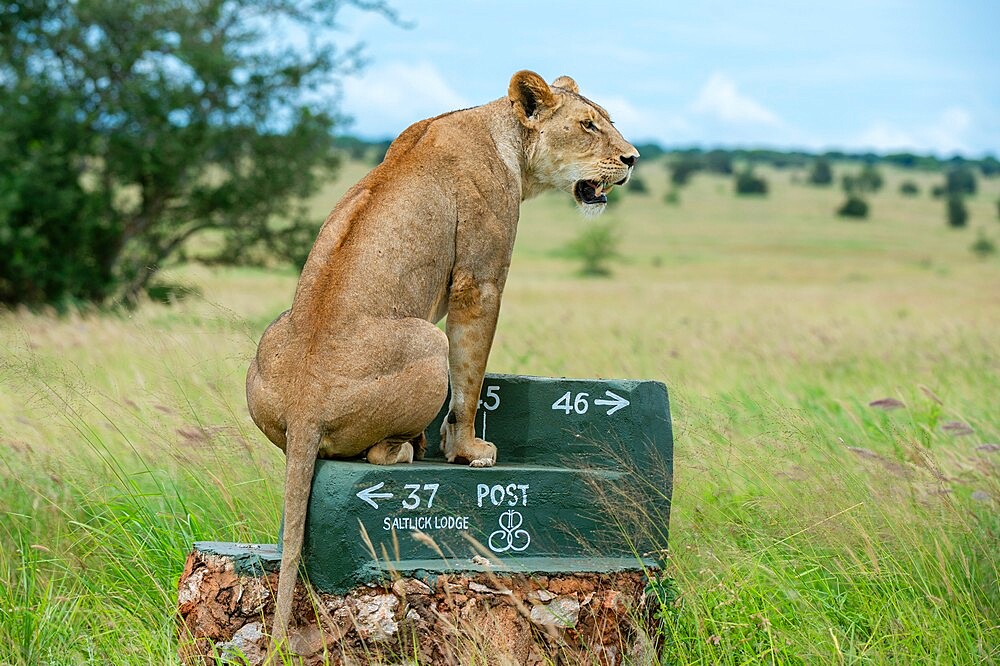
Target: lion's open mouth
[{"x": 592, "y": 192}]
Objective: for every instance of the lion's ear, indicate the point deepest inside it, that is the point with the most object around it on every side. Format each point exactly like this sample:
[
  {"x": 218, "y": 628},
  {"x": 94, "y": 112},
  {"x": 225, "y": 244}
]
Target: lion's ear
[
  {"x": 566, "y": 83},
  {"x": 531, "y": 97}
]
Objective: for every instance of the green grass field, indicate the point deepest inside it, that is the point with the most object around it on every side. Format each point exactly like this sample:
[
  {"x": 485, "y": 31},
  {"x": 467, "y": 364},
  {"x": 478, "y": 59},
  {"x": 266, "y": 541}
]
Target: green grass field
[{"x": 807, "y": 527}]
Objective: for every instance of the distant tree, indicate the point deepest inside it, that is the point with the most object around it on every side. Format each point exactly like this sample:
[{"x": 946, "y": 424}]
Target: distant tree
[
  {"x": 960, "y": 180},
  {"x": 683, "y": 168},
  {"x": 903, "y": 160},
  {"x": 855, "y": 206},
  {"x": 821, "y": 173},
  {"x": 989, "y": 166},
  {"x": 637, "y": 185},
  {"x": 718, "y": 161},
  {"x": 748, "y": 183},
  {"x": 938, "y": 191},
  {"x": 673, "y": 197},
  {"x": 867, "y": 181},
  {"x": 379, "y": 149},
  {"x": 870, "y": 180},
  {"x": 128, "y": 127},
  {"x": 650, "y": 151},
  {"x": 353, "y": 147},
  {"x": 909, "y": 188},
  {"x": 776, "y": 158},
  {"x": 958, "y": 214},
  {"x": 911, "y": 161},
  {"x": 983, "y": 246}
]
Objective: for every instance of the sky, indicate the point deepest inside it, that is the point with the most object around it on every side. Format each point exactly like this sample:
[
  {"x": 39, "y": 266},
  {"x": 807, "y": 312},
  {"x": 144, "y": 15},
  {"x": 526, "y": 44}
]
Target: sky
[{"x": 882, "y": 75}]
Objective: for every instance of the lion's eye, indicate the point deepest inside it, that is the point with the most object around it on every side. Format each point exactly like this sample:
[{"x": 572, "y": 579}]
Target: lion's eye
[{"x": 589, "y": 125}]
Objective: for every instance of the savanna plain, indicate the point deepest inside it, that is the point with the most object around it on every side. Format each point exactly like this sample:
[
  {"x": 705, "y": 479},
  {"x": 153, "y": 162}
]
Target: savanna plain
[{"x": 834, "y": 386}]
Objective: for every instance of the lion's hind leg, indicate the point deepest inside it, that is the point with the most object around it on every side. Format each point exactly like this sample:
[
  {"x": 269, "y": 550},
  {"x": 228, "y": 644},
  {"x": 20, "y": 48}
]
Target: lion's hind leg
[
  {"x": 419, "y": 446},
  {"x": 390, "y": 452},
  {"x": 383, "y": 408}
]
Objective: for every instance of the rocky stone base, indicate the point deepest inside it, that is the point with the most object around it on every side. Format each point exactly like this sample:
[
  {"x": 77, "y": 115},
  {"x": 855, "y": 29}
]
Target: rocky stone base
[{"x": 482, "y": 618}]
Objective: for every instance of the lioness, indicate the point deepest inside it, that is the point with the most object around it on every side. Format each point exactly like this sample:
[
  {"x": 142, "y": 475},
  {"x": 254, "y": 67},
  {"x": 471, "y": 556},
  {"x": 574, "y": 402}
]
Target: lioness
[{"x": 356, "y": 366}]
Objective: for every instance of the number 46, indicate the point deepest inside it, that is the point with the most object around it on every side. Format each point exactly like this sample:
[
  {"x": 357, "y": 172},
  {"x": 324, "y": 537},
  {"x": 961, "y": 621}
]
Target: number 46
[{"x": 578, "y": 405}]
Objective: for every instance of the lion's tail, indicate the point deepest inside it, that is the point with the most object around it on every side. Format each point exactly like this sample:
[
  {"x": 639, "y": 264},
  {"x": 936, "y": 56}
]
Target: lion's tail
[{"x": 301, "y": 449}]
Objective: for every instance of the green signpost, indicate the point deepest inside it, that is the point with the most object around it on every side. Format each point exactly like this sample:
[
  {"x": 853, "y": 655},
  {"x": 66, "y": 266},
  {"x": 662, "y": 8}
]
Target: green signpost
[
  {"x": 582, "y": 484},
  {"x": 578, "y": 461}
]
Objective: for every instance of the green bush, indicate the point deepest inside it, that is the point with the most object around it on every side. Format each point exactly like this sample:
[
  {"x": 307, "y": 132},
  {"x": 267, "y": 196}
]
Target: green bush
[
  {"x": 650, "y": 151},
  {"x": 909, "y": 188},
  {"x": 821, "y": 173},
  {"x": 673, "y": 197},
  {"x": 960, "y": 180},
  {"x": 718, "y": 161},
  {"x": 55, "y": 246},
  {"x": 958, "y": 214},
  {"x": 682, "y": 169},
  {"x": 169, "y": 292},
  {"x": 747, "y": 183},
  {"x": 867, "y": 181},
  {"x": 989, "y": 166},
  {"x": 870, "y": 179},
  {"x": 596, "y": 245},
  {"x": 855, "y": 206},
  {"x": 983, "y": 246},
  {"x": 637, "y": 185}
]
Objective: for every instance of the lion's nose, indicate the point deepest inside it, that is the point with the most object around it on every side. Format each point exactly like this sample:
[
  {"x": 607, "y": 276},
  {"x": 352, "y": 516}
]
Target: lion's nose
[{"x": 629, "y": 160}]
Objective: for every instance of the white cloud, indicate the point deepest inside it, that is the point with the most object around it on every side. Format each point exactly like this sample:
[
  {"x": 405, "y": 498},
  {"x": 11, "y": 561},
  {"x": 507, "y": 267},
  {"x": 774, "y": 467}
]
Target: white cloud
[
  {"x": 388, "y": 98},
  {"x": 947, "y": 134},
  {"x": 720, "y": 99}
]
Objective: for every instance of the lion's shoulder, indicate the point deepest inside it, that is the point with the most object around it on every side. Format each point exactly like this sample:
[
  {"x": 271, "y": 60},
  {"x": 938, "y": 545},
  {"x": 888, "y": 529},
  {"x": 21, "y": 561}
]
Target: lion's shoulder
[{"x": 463, "y": 130}]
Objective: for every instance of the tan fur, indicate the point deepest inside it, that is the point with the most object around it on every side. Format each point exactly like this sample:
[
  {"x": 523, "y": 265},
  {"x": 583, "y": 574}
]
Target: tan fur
[{"x": 356, "y": 366}]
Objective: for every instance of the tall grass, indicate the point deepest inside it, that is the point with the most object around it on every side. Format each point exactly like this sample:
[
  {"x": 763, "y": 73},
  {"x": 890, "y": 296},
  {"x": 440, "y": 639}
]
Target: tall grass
[
  {"x": 808, "y": 525},
  {"x": 104, "y": 491},
  {"x": 805, "y": 547}
]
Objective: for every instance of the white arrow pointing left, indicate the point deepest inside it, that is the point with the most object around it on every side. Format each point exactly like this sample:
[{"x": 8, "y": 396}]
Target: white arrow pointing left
[
  {"x": 369, "y": 495},
  {"x": 616, "y": 400}
]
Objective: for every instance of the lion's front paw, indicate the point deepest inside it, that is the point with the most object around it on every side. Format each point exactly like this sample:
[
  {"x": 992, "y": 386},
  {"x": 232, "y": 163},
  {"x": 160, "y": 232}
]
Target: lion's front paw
[
  {"x": 472, "y": 450},
  {"x": 460, "y": 445},
  {"x": 477, "y": 452}
]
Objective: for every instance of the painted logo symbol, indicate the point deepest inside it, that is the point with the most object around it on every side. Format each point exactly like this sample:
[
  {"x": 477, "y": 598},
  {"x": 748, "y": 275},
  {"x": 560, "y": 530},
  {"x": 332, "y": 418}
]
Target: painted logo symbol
[{"x": 509, "y": 536}]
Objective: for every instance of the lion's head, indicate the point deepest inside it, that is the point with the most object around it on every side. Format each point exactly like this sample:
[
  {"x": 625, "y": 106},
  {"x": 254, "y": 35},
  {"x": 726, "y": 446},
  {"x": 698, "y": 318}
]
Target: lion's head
[{"x": 573, "y": 145}]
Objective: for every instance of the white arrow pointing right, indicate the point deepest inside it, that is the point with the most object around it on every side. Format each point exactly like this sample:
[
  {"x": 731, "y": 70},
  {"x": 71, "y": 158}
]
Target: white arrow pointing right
[
  {"x": 369, "y": 495},
  {"x": 618, "y": 402}
]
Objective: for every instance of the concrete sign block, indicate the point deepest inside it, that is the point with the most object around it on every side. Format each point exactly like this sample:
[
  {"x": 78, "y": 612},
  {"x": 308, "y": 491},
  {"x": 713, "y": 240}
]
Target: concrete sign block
[{"x": 584, "y": 472}]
